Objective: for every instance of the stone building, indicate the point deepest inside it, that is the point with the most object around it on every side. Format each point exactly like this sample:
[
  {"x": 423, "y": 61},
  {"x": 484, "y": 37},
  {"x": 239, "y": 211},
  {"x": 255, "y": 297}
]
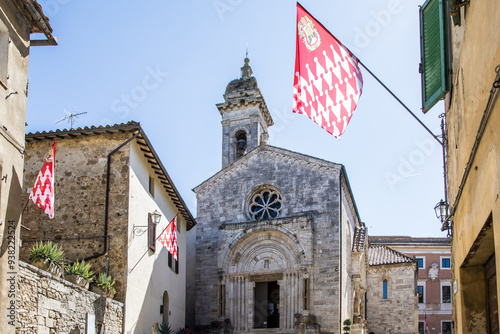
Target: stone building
[
  {"x": 18, "y": 20},
  {"x": 433, "y": 256},
  {"x": 391, "y": 301},
  {"x": 108, "y": 181},
  {"x": 469, "y": 85},
  {"x": 280, "y": 246}
]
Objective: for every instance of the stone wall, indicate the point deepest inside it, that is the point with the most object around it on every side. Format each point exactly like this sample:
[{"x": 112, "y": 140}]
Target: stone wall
[
  {"x": 80, "y": 197},
  {"x": 398, "y": 313},
  {"x": 46, "y": 304}
]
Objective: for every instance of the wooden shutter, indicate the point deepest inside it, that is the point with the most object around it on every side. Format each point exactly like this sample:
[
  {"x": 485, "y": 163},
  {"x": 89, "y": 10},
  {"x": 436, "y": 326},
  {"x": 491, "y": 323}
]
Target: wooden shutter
[
  {"x": 434, "y": 52},
  {"x": 151, "y": 234}
]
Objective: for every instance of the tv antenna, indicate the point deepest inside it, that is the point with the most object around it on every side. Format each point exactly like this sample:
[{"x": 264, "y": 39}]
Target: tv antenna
[{"x": 70, "y": 117}]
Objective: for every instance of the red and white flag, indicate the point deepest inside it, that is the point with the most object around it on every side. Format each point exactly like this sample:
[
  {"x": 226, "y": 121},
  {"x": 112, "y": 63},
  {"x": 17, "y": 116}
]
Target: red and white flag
[
  {"x": 42, "y": 193},
  {"x": 168, "y": 237},
  {"x": 327, "y": 82}
]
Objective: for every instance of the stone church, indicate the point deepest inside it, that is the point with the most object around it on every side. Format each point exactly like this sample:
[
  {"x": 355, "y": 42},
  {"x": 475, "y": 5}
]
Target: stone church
[{"x": 280, "y": 247}]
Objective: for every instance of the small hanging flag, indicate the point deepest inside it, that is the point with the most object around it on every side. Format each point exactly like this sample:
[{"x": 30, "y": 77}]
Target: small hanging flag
[{"x": 43, "y": 194}]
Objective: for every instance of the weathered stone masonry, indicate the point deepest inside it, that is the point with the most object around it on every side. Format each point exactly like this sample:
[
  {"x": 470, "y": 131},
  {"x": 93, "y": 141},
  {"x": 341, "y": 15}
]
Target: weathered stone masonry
[{"x": 47, "y": 304}]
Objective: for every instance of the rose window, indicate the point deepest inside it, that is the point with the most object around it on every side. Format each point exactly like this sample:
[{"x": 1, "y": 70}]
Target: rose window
[{"x": 265, "y": 204}]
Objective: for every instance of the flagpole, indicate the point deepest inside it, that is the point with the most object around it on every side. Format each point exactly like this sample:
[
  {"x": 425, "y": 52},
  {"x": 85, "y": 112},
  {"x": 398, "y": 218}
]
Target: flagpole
[
  {"x": 147, "y": 250},
  {"x": 25, "y": 206},
  {"x": 400, "y": 102}
]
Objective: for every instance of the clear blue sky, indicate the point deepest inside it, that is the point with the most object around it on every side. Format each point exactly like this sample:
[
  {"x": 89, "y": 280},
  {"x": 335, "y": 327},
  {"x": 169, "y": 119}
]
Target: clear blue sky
[{"x": 167, "y": 63}]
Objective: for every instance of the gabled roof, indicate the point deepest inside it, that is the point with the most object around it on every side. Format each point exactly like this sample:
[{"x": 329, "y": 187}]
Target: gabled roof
[
  {"x": 380, "y": 255},
  {"x": 145, "y": 146},
  {"x": 273, "y": 150}
]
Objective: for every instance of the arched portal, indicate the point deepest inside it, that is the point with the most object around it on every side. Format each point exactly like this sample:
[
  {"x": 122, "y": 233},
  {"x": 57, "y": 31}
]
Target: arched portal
[{"x": 262, "y": 272}]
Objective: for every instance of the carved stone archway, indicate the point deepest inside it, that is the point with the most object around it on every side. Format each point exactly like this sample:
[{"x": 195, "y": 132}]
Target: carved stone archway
[{"x": 263, "y": 255}]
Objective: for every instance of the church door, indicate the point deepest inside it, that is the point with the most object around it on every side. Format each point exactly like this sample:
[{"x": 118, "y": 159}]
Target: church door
[{"x": 266, "y": 305}]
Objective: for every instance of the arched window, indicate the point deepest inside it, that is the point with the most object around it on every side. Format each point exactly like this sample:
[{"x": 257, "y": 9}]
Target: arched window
[
  {"x": 165, "y": 307},
  {"x": 241, "y": 143},
  {"x": 384, "y": 287}
]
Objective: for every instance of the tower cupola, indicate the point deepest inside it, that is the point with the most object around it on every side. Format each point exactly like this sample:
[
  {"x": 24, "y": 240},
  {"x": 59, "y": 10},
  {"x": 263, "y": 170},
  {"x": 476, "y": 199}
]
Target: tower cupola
[{"x": 245, "y": 117}]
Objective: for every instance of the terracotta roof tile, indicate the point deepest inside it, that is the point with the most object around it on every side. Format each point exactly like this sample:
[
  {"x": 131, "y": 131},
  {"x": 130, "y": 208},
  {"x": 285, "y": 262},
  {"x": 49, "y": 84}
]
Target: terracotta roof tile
[{"x": 379, "y": 255}]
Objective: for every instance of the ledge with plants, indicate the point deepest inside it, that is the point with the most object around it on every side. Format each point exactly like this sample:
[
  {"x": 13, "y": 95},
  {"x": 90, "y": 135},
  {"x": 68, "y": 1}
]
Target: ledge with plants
[
  {"x": 79, "y": 273},
  {"x": 103, "y": 285},
  {"x": 47, "y": 256}
]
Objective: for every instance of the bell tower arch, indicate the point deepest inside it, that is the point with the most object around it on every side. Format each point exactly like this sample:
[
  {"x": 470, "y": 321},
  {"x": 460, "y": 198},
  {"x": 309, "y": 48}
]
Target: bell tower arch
[{"x": 245, "y": 117}]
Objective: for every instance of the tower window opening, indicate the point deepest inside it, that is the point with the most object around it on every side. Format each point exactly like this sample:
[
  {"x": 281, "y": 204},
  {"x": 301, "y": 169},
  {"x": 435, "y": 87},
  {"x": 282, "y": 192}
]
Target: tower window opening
[{"x": 241, "y": 144}]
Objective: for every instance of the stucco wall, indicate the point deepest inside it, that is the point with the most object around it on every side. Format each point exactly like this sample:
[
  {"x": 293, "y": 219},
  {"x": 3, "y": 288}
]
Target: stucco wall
[
  {"x": 476, "y": 48},
  {"x": 401, "y": 299},
  {"x": 149, "y": 277},
  {"x": 14, "y": 55},
  {"x": 48, "y": 304}
]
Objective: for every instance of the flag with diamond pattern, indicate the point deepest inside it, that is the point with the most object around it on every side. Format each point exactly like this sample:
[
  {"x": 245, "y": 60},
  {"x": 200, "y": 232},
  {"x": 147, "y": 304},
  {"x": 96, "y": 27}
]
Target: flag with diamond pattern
[
  {"x": 327, "y": 82},
  {"x": 43, "y": 193},
  {"x": 168, "y": 237}
]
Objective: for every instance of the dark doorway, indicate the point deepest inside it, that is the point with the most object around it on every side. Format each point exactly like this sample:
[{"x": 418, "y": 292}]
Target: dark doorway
[
  {"x": 491, "y": 293},
  {"x": 266, "y": 305}
]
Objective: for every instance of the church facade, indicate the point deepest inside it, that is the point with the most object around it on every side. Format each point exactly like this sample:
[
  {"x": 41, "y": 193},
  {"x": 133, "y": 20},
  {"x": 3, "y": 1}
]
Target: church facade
[{"x": 280, "y": 246}]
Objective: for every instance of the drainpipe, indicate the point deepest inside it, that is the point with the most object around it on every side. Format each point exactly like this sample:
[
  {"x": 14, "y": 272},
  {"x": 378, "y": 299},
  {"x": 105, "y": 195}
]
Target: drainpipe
[{"x": 106, "y": 205}]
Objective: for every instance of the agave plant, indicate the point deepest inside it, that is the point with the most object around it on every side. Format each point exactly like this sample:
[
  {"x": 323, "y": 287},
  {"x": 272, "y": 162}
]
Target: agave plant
[
  {"x": 48, "y": 253},
  {"x": 106, "y": 283},
  {"x": 165, "y": 329},
  {"x": 81, "y": 269}
]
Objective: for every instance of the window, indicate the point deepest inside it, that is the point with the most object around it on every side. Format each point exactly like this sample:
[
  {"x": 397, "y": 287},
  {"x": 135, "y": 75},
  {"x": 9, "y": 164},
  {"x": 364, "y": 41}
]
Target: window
[
  {"x": 151, "y": 234},
  {"x": 446, "y": 327},
  {"x": 384, "y": 287},
  {"x": 445, "y": 263},
  {"x": 434, "y": 52},
  {"x": 173, "y": 263},
  {"x": 265, "y": 204},
  {"x": 421, "y": 327},
  {"x": 151, "y": 186},
  {"x": 420, "y": 261},
  {"x": 241, "y": 143},
  {"x": 420, "y": 292},
  {"x": 445, "y": 294}
]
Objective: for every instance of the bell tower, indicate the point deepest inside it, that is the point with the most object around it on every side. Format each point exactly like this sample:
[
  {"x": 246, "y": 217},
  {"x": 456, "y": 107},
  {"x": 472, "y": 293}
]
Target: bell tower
[{"x": 245, "y": 118}]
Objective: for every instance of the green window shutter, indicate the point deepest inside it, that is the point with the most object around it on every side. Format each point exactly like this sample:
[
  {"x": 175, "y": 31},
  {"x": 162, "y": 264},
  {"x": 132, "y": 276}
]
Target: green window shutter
[{"x": 434, "y": 52}]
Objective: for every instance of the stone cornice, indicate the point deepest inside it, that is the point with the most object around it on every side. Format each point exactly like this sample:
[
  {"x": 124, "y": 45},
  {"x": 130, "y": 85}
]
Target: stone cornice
[{"x": 246, "y": 101}]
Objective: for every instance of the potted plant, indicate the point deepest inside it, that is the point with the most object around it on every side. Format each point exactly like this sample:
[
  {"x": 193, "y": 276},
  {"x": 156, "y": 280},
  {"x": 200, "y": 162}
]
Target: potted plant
[
  {"x": 104, "y": 286},
  {"x": 79, "y": 273},
  {"x": 165, "y": 329},
  {"x": 47, "y": 256},
  {"x": 347, "y": 326}
]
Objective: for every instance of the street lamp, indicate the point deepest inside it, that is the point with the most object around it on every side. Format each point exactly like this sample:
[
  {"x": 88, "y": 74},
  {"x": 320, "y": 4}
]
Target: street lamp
[
  {"x": 441, "y": 210},
  {"x": 140, "y": 230},
  {"x": 155, "y": 217}
]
